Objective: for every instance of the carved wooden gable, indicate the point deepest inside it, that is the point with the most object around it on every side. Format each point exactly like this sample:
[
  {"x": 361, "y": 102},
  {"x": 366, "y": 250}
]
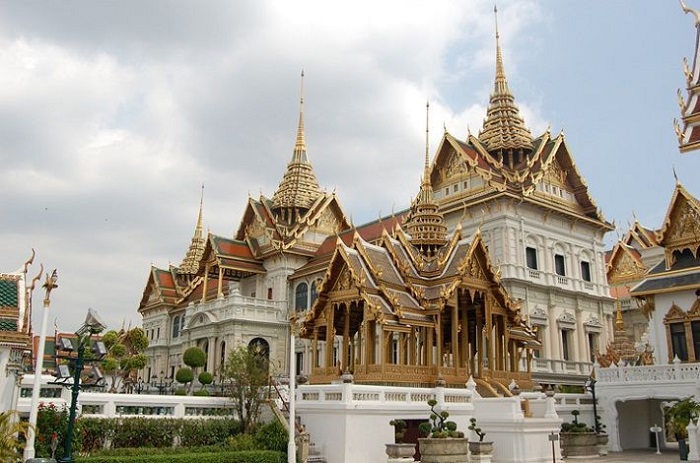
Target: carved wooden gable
[
  {"x": 624, "y": 267},
  {"x": 556, "y": 174},
  {"x": 345, "y": 280},
  {"x": 683, "y": 230}
]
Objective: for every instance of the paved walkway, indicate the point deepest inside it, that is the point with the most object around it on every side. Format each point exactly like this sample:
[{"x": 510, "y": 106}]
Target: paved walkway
[{"x": 632, "y": 456}]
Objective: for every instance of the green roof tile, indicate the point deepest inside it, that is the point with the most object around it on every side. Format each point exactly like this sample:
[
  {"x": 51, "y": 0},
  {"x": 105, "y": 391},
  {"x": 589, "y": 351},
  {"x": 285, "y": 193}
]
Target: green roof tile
[{"x": 8, "y": 293}]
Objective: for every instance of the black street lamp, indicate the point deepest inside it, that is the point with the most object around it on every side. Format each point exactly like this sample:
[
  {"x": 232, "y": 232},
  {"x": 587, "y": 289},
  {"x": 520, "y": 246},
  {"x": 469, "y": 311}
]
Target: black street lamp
[
  {"x": 590, "y": 385},
  {"x": 161, "y": 382},
  {"x": 93, "y": 325}
]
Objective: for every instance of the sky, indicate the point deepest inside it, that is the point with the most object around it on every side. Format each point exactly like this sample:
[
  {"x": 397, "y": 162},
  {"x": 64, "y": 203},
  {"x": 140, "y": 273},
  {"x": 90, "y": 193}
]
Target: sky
[{"x": 114, "y": 114}]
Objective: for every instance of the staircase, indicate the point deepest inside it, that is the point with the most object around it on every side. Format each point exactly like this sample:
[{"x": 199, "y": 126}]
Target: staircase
[{"x": 279, "y": 405}]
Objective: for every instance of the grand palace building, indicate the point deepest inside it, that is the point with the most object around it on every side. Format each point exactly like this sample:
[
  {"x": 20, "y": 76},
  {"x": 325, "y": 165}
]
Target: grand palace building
[{"x": 497, "y": 270}]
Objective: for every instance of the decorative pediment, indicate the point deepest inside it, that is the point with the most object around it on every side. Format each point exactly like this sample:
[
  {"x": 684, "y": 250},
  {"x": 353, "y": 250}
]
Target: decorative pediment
[
  {"x": 566, "y": 321},
  {"x": 538, "y": 316},
  {"x": 593, "y": 325},
  {"x": 556, "y": 174},
  {"x": 344, "y": 281},
  {"x": 675, "y": 315},
  {"x": 694, "y": 311}
]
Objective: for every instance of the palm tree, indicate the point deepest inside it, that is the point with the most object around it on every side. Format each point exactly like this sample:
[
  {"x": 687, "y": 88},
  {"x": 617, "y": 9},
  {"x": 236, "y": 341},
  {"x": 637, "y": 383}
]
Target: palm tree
[{"x": 10, "y": 446}]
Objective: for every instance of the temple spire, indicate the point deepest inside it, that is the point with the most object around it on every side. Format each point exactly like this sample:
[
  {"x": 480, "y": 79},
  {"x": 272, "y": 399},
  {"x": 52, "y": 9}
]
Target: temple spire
[
  {"x": 190, "y": 264},
  {"x": 299, "y": 188},
  {"x": 504, "y": 130},
  {"x": 425, "y": 224},
  {"x": 300, "y": 145}
]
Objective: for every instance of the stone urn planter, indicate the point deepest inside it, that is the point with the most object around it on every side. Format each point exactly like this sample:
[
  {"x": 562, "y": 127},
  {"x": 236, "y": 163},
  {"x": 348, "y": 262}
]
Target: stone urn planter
[
  {"x": 579, "y": 444},
  {"x": 481, "y": 452},
  {"x": 602, "y": 444},
  {"x": 444, "y": 450},
  {"x": 400, "y": 452}
]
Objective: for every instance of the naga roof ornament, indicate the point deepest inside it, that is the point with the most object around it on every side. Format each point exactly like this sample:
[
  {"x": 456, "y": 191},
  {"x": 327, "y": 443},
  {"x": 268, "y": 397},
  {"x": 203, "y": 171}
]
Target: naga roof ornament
[
  {"x": 190, "y": 264},
  {"x": 504, "y": 129},
  {"x": 299, "y": 187}
]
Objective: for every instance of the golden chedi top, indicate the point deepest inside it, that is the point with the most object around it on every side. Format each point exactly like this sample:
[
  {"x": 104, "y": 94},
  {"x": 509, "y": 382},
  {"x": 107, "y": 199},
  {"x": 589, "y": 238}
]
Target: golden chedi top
[
  {"x": 190, "y": 264},
  {"x": 504, "y": 129},
  {"x": 299, "y": 187},
  {"x": 425, "y": 224}
]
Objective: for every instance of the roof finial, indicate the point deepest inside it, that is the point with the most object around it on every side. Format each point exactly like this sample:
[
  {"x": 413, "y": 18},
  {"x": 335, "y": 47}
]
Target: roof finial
[
  {"x": 675, "y": 175},
  {"x": 300, "y": 146},
  {"x": 426, "y": 174},
  {"x": 501, "y": 84}
]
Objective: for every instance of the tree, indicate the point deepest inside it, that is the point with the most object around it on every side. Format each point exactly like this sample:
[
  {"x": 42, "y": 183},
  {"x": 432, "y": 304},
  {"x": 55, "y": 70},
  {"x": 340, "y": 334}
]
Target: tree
[
  {"x": 124, "y": 356},
  {"x": 248, "y": 373},
  {"x": 11, "y": 446},
  {"x": 193, "y": 357}
]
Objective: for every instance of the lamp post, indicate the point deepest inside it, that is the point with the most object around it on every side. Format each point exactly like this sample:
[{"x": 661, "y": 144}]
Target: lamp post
[
  {"x": 162, "y": 384},
  {"x": 49, "y": 284},
  {"x": 590, "y": 385},
  {"x": 93, "y": 325}
]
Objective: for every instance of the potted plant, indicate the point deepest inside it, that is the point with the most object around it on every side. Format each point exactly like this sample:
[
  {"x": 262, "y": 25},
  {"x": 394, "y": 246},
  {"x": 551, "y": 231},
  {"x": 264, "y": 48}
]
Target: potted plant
[
  {"x": 479, "y": 447},
  {"x": 442, "y": 441},
  {"x": 400, "y": 450},
  {"x": 601, "y": 436},
  {"x": 578, "y": 439},
  {"x": 679, "y": 416}
]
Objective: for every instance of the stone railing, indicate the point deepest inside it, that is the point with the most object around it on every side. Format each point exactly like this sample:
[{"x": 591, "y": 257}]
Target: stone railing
[
  {"x": 358, "y": 395},
  {"x": 652, "y": 373},
  {"x": 237, "y": 306},
  {"x": 559, "y": 366}
]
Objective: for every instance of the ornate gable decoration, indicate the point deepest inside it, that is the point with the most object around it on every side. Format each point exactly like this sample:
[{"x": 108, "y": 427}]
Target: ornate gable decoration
[
  {"x": 593, "y": 325},
  {"x": 681, "y": 228},
  {"x": 675, "y": 315},
  {"x": 624, "y": 266}
]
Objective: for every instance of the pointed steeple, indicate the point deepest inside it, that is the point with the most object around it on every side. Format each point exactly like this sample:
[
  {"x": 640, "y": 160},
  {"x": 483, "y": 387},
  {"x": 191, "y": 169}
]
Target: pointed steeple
[
  {"x": 190, "y": 264},
  {"x": 504, "y": 130},
  {"x": 426, "y": 225},
  {"x": 299, "y": 188}
]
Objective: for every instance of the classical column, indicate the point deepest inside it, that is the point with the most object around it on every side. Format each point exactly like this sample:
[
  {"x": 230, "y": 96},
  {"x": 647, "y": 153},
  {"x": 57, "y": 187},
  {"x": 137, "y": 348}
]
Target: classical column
[
  {"x": 347, "y": 356},
  {"x": 220, "y": 287},
  {"x": 455, "y": 336}
]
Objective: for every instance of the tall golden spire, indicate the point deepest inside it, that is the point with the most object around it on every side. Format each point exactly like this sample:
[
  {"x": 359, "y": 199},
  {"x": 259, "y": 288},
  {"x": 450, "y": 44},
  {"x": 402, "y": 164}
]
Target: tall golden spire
[
  {"x": 426, "y": 224},
  {"x": 504, "y": 129},
  {"x": 299, "y": 188},
  {"x": 190, "y": 264}
]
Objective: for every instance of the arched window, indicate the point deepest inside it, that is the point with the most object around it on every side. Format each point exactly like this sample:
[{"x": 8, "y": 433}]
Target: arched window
[
  {"x": 222, "y": 352},
  {"x": 261, "y": 350},
  {"x": 182, "y": 322},
  {"x": 301, "y": 296},
  {"x": 314, "y": 292},
  {"x": 176, "y": 326}
]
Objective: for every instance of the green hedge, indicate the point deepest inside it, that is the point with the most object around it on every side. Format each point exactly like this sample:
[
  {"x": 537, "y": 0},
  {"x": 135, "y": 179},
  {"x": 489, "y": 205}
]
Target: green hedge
[{"x": 253, "y": 456}]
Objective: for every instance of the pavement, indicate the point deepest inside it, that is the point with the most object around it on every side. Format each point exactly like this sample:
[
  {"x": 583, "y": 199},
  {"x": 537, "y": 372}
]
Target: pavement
[{"x": 632, "y": 456}]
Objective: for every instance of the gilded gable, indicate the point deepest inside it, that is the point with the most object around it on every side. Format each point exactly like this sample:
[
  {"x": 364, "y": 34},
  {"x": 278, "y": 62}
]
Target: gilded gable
[
  {"x": 625, "y": 268},
  {"x": 328, "y": 222},
  {"x": 684, "y": 229},
  {"x": 556, "y": 174},
  {"x": 675, "y": 314}
]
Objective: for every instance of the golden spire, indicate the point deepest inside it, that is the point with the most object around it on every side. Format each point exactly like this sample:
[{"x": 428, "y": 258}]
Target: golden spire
[
  {"x": 504, "y": 129},
  {"x": 425, "y": 223},
  {"x": 299, "y": 188},
  {"x": 619, "y": 322},
  {"x": 190, "y": 264}
]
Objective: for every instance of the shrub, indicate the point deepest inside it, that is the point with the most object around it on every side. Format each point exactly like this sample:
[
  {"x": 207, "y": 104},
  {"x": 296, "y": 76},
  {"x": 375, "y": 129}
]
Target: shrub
[
  {"x": 143, "y": 432},
  {"x": 184, "y": 375},
  {"x": 207, "y": 432},
  {"x": 53, "y": 421},
  {"x": 575, "y": 426},
  {"x": 95, "y": 432},
  {"x": 194, "y": 357},
  {"x": 272, "y": 436},
  {"x": 241, "y": 442},
  {"x": 201, "y": 393},
  {"x": 254, "y": 456},
  {"x": 205, "y": 378}
]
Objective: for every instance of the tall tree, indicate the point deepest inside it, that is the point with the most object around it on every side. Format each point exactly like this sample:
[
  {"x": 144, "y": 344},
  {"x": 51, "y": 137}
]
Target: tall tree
[
  {"x": 248, "y": 373},
  {"x": 124, "y": 356}
]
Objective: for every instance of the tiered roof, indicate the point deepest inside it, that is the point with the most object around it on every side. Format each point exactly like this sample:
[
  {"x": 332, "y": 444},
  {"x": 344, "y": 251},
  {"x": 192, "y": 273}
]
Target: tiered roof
[{"x": 689, "y": 132}]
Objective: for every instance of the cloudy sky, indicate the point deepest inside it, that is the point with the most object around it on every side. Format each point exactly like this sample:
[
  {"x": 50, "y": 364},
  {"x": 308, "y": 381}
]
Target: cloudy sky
[{"x": 113, "y": 114}]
